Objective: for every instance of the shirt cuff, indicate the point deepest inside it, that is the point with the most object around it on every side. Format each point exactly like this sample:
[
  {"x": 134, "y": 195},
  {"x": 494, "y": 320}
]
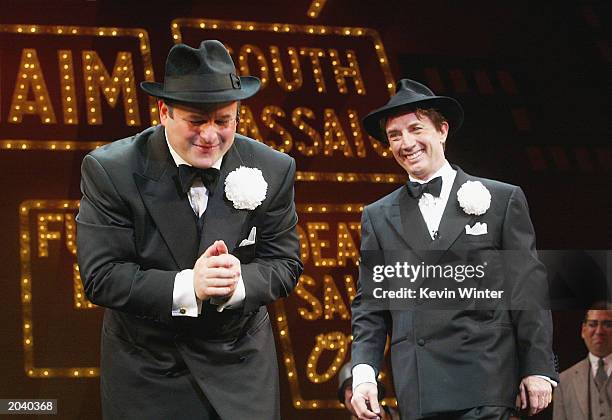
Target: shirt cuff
[
  {"x": 553, "y": 383},
  {"x": 363, "y": 373},
  {"x": 234, "y": 301},
  {"x": 184, "y": 300}
]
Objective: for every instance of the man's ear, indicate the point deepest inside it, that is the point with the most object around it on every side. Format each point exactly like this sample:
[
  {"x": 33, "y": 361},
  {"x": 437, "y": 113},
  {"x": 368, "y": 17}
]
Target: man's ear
[
  {"x": 444, "y": 129},
  {"x": 163, "y": 111},
  {"x": 444, "y": 132}
]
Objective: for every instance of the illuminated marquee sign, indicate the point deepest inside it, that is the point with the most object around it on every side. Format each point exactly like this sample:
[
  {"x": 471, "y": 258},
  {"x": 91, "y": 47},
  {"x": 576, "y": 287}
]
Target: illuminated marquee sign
[
  {"x": 317, "y": 84},
  {"x": 58, "y": 78},
  {"x": 321, "y": 302},
  {"x": 51, "y": 289}
]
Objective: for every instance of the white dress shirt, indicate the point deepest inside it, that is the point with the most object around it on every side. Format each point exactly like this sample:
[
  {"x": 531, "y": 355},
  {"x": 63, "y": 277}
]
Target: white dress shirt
[
  {"x": 184, "y": 300},
  {"x": 432, "y": 207}
]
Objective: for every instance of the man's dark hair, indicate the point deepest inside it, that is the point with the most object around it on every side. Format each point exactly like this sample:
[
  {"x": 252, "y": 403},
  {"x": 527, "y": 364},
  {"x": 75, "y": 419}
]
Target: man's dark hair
[{"x": 602, "y": 305}]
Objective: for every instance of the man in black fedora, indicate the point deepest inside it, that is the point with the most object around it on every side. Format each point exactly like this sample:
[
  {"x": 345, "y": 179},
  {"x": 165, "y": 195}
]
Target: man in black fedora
[
  {"x": 455, "y": 363},
  {"x": 186, "y": 231}
]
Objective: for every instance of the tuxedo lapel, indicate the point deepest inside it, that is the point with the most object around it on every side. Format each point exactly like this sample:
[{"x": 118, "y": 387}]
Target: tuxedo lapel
[
  {"x": 166, "y": 203},
  {"x": 394, "y": 219},
  {"x": 221, "y": 219},
  {"x": 453, "y": 219},
  {"x": 406, "y": 213}
]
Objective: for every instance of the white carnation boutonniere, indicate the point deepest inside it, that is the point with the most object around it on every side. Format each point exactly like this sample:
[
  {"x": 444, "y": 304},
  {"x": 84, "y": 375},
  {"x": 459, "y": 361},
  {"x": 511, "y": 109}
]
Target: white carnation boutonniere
[
  {"x": 474, "y": 198},
  {"x": 246, "y": 188}
]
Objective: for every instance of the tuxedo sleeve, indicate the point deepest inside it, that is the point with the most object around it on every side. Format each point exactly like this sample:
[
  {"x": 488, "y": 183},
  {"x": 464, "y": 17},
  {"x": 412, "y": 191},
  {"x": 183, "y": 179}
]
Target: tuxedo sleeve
[
  {"x": 533, "y": 327},
  {"x": 369, "y": 327},
  {"x": 107, "y": 250},
  {"x": 274, "y": 271}
]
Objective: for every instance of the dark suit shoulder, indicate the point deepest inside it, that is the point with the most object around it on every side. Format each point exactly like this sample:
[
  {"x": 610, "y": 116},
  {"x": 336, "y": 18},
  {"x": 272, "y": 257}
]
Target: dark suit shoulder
[
  {"x": 494, "y": 185},
  {"x": 569, "y": 373},
  {"x": 251, "y": 149},
  {"x": 387, "y": 200},
  {"x": 501, "y": 192},
  {"x": 126, "y": 152}
]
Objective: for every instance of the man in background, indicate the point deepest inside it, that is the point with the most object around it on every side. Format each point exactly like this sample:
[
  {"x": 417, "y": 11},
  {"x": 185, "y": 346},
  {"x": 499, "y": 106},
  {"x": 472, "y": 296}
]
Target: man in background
[{"x": 585, "y": 391}]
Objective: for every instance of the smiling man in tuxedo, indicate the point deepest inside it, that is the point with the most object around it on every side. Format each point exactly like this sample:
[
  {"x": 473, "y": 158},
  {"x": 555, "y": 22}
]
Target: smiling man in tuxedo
[
  {"x": 455, "y": 363},
  {"x": 185, "y": 232}
]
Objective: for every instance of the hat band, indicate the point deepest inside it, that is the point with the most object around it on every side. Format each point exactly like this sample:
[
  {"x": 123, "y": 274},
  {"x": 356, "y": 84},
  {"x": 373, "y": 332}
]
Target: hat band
[{"x": 201, "y": 83}]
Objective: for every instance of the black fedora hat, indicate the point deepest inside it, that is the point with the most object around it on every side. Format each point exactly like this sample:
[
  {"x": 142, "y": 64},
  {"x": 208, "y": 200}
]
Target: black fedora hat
[
  {"x": 203, "y": 75},
  {"x": 410, "y": 94}
]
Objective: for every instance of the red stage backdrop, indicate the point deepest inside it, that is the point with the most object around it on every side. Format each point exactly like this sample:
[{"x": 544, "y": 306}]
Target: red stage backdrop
[{"x": 69, "y": 75}]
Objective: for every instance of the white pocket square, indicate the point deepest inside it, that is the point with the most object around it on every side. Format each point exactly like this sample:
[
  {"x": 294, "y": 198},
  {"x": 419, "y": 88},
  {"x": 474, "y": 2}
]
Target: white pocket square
[
  {"x": 478, "y": 229},
  {"x": 251, "y": 239}
]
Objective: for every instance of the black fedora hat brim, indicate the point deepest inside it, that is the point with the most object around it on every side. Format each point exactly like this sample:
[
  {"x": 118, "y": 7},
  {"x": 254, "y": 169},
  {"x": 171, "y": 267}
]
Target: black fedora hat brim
[
  {"x": 448, "y": 107},
  {"x": 248, "y": 87}
]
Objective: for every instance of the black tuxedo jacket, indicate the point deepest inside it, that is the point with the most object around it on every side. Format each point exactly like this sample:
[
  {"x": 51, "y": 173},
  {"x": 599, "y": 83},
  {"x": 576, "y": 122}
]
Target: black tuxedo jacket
[
  {"x": 136, "y": 231},
  {"x": 447, "y": 360}
]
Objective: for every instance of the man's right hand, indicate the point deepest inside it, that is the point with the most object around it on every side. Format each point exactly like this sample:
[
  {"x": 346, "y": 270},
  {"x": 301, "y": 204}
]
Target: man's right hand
[
  {"x": 363, "y": 395},
  {"x": 216, "y": 272}
]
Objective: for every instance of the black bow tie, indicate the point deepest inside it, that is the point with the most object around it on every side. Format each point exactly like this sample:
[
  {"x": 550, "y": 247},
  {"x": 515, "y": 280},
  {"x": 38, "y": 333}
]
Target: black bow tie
[
  {"x": 433, "y": 187},
  {"x": 209, "y": 176}
]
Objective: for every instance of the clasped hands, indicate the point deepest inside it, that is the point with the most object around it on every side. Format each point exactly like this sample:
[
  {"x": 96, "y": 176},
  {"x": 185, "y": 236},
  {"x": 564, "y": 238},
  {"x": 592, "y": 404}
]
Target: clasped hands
[{"x": 216, "y": 272}]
